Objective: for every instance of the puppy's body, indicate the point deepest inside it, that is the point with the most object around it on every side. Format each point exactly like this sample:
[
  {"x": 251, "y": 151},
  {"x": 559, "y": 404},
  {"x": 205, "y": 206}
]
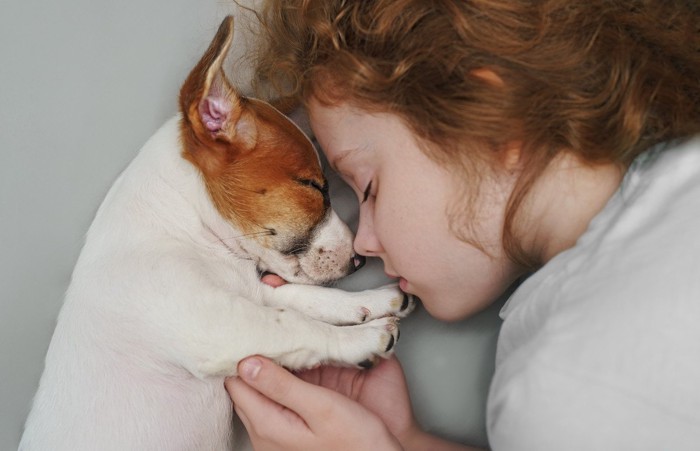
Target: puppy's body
[{"x": 165, "y": 298}]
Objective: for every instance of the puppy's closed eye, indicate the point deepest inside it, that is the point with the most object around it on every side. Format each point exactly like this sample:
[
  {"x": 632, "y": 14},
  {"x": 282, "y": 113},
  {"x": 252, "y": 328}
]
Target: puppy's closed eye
[{"x": 321, "y": 187}]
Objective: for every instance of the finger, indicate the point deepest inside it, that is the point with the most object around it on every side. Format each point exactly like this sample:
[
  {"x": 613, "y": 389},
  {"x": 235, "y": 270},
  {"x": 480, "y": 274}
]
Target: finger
[
  {"x": 338, "y": 379},
  {"x": 243, "y": 417},
  {"x": 262, "y": 416},
  {"x": 273, "y": 280},
  {"x": 279, "y": 385},
  {"x": 248, "y": 399}
]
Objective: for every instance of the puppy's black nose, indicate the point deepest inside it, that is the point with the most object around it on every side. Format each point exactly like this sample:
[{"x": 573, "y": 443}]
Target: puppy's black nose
[{"x": 357, "y": 261}]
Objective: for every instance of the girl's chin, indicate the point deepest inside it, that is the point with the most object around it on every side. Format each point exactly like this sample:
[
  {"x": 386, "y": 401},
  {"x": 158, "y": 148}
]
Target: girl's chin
[{"x": 446, "y": 309}]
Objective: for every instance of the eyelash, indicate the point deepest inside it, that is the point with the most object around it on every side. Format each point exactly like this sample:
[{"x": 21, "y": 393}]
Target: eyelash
[{"x": 365, "y": 195}]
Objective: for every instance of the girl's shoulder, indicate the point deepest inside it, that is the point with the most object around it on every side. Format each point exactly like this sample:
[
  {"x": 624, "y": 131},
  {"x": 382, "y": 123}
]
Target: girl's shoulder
[
  {"x": 655, "y": 214},
  {"x": 608, "y": 329}
]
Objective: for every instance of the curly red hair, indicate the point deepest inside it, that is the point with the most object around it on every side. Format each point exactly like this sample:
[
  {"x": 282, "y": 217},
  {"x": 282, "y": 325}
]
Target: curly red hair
[{"x": 604, "y": 79}]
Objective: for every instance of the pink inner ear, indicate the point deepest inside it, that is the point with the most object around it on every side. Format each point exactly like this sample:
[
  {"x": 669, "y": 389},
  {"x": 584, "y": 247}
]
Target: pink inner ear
[{"x": 214, "y": 112}]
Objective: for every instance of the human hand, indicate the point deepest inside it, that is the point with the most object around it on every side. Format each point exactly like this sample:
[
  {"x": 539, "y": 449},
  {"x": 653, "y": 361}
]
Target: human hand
[
  {"x": 282, "y": 411},
  {"x": 382, "y": 389},
  {"x": 273, "y": 280}
]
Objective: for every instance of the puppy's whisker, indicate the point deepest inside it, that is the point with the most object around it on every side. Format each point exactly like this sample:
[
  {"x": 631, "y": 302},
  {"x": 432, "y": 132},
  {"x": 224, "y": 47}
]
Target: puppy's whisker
[
  {"x": 268, "y": 232},
  {"x": 297, "y": 250}
]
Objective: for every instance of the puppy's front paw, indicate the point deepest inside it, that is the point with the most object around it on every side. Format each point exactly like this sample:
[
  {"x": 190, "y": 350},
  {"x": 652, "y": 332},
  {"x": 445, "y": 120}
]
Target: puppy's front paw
[
  {"x": 359, "y": 345},
  {"x": 388, "y": 300},
  {"x": 334, "y": 306},
  {"x": 366, "y": 343}
]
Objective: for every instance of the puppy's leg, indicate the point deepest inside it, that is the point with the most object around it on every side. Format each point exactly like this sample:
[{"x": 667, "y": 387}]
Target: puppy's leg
[
  {"x": 214, "y": 332},
  {"x": 335, "y": 306}
]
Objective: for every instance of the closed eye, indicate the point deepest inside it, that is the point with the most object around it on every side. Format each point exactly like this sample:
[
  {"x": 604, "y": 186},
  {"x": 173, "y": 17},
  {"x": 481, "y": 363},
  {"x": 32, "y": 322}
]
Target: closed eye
[
  {"x": 365, "y": 195},
  {"x": 313, "y": 184},
  {"x": 323, "y": 189}
]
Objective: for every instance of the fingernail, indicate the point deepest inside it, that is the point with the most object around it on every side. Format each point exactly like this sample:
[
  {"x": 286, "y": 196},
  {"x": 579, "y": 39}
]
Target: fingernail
[{"x": 250, "y": 368}]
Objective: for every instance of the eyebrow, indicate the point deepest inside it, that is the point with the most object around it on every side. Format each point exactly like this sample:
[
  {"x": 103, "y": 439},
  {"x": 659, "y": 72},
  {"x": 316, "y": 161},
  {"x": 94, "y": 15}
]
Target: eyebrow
[{"x": 342, "y": 156}]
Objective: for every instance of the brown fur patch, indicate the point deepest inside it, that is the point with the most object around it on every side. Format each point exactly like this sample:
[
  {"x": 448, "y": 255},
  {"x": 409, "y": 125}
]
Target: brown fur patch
[{"x": 256, "y": 166}]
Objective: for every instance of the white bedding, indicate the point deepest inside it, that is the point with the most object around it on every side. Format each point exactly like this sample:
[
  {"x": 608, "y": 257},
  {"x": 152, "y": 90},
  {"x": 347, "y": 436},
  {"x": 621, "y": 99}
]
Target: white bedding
[{"x": 600, "y": 350}]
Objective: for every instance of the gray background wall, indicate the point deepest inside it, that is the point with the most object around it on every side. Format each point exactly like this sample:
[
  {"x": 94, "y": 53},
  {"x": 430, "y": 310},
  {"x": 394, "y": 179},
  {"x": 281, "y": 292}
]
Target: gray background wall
[{"x": 83, "y": 84}]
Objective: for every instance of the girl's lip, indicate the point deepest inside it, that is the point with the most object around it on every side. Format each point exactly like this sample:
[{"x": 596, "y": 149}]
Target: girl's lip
[{"x": 403, "y": 284}]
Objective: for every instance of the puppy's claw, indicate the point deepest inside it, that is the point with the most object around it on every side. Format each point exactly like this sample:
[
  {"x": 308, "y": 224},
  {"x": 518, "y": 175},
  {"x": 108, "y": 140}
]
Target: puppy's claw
[
  {"x": 366, "y": 364},
  {"x": 365, "y": 314},
  {"x": 405, "y": 303},
  {"x": 391, "y": 344}
]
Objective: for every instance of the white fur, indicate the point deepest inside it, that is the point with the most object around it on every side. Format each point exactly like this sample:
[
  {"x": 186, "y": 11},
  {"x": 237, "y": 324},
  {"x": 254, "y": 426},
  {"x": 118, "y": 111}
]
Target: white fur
[{"x": 165, "y": 300}]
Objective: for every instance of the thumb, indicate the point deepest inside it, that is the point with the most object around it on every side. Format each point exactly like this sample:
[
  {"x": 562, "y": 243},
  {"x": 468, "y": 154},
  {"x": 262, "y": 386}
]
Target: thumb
[{"x": 279, "y": 385}]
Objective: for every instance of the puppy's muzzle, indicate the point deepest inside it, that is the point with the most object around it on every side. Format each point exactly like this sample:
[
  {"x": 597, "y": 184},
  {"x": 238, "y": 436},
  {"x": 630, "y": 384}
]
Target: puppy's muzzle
[{"x": 355, "y": 264}]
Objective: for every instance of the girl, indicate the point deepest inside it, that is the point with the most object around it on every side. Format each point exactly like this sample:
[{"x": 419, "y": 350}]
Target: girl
[{"x": 491, "y": 139}]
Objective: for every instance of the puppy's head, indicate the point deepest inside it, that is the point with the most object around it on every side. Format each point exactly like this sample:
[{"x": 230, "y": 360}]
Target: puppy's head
[{"x": 263, "y": 176}]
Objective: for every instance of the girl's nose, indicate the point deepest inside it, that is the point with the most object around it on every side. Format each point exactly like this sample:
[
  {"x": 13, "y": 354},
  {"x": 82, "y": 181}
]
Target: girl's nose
[{"x": 366, "y": 241}]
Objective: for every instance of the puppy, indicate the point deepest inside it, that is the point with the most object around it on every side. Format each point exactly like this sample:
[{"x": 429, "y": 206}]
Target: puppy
[{"x": 166, "y": 296}]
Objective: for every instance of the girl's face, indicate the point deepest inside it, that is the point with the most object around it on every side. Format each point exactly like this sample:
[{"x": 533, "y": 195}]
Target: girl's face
[{"x": 405, "y": 204}]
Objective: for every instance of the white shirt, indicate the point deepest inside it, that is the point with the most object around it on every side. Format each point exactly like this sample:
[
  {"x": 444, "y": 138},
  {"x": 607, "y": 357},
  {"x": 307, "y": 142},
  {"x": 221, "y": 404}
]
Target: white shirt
[{"x": 600, "y": 349}]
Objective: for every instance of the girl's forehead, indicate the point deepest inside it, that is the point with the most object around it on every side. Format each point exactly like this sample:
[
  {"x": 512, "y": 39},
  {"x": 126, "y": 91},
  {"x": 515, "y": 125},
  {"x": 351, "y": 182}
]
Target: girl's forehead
[
  {"x": 338, "y": 129},
  {"x": 350, "y": 136}
]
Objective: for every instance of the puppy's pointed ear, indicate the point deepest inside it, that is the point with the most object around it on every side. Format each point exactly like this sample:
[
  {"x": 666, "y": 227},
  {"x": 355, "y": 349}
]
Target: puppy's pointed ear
[{"x": 210, "y": 105}]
